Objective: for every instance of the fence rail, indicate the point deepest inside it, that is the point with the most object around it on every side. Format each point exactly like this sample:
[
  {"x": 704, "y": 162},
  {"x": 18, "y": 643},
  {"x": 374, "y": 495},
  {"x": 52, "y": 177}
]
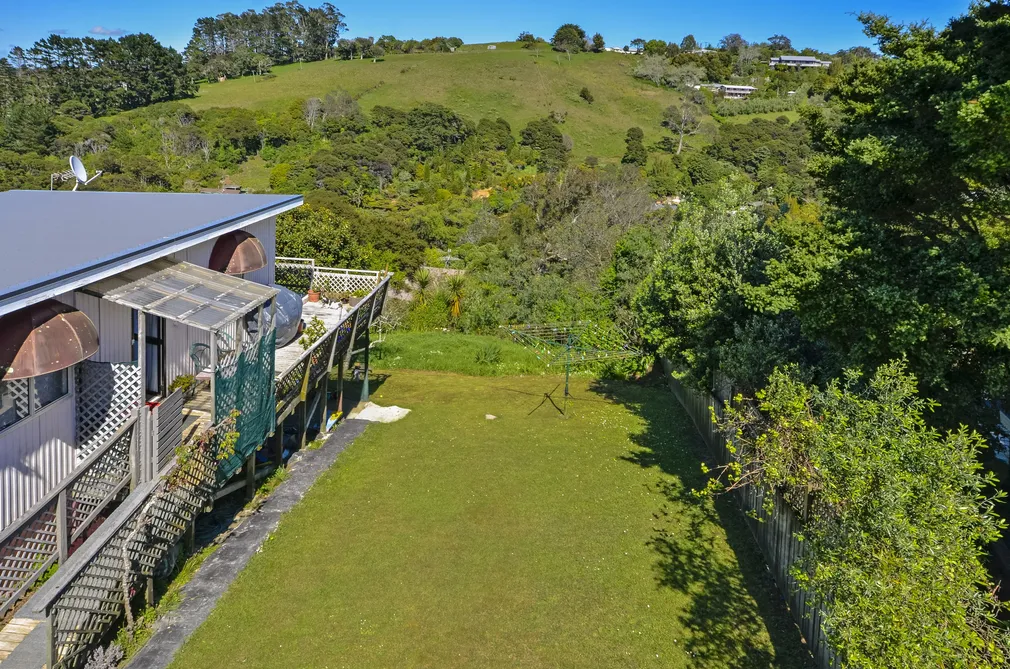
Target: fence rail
[
  {"x": 86, "y": 598},
  {"x": 301, "y": 274},
  {"x": 317, "y": 361},
  {"x": 45, "y": 535},
  {"x": 775, "y": 530}
]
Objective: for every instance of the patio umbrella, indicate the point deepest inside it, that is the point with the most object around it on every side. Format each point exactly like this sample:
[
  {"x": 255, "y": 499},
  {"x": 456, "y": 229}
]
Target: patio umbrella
[
  {"x": 44, "y": 338},
  {"x": 237, "y": 252}
]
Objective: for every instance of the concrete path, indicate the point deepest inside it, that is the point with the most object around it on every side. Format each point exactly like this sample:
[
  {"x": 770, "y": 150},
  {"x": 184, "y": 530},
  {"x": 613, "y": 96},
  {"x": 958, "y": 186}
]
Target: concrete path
[{"x": 216, "y": 574}]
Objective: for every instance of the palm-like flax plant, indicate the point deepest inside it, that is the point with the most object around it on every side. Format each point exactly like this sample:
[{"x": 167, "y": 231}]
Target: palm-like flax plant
[{"x": 455, "y": 290}]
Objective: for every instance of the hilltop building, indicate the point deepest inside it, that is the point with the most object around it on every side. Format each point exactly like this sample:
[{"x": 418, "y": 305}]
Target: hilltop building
[{"x": 798, "y": 61}]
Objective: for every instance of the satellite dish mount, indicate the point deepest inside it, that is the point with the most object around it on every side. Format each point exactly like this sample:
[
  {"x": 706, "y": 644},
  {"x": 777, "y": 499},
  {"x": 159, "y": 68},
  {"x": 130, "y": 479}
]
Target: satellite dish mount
[{"x": 76, "y": 172}]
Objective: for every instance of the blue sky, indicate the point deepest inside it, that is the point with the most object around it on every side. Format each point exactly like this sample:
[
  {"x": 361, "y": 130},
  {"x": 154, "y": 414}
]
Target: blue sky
[{"x": 825, "y": 24}]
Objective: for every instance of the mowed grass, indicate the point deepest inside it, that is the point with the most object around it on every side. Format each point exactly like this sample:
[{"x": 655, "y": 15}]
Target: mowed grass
[
  {"x": 531, "y": 540},
  {"x": 509, "y": 82},
  {"x": 479, "y": 355}
]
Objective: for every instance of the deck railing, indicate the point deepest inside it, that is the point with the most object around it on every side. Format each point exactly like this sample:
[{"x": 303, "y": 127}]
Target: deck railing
[
  {"x": 301, "y": 274},
  {"x": 293, "y": 384},
  {"x": 46, "y": 534},
  {"x": 84, "y": 600}
]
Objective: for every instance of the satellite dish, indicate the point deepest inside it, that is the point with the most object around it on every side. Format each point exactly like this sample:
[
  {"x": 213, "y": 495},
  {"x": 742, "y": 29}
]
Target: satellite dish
[{"x": 81, "y": 174}]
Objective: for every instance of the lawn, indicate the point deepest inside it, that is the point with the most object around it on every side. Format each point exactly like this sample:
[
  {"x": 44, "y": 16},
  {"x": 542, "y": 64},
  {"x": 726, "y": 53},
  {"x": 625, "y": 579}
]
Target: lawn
[
  {"x": 479, "y": 355},
  {"x": 510, "y": 82},
  {"x": 531, "y": 540}
]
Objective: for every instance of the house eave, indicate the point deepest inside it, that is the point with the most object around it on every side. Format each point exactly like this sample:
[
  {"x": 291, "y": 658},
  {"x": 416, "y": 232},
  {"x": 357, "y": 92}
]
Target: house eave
[{"x": 76, "y": 278}]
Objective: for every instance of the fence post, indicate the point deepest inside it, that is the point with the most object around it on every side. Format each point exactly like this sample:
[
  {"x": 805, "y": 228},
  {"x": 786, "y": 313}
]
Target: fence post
[
  {"x": 250, "y": 476},
  {"x": 364, "y": 381},
  {"x": 51, "y": 655},
  {"x": 62, "y": 530}
]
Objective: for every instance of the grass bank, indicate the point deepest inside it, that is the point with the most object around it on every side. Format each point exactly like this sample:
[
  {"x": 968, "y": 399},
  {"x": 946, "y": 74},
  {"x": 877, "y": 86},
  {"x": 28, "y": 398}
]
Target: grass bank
[
  {"x": 513, "y": 83},
  {"x": 531, "y": 540}
]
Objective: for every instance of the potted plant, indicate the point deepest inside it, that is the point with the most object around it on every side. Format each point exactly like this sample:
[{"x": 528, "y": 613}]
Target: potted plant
[
  {"x": 357, "y": 296},
  {"x": 184, "y": 382},
  {"x": 314, "y": 292}
]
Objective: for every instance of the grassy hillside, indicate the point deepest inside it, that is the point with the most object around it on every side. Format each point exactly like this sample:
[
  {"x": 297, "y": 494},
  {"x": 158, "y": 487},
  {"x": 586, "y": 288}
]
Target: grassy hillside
[{"x": 509, "y": 82}]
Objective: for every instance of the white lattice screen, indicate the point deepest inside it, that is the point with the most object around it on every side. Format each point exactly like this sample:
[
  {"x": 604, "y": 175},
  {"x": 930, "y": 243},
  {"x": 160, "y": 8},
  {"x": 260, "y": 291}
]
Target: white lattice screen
[
  {"x": 107, "y": 394},
  {"x": 337, "y": 282}
]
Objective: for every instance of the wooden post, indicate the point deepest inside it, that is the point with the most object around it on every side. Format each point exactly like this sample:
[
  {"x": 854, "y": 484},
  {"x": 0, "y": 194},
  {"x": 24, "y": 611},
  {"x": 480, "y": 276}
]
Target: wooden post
[
  {"x": 325, "y": 390},
  {"x": 276, "y": 445},
  {"x": 213, "y": 378},
  {"x": 189, "y": 538},
  {"x": 303, "y": 422},
  {"x": 142, "y": 355},
  {"x": 340, "y": 385},
  {"x": 250, "y": 476},
  {"x": 149, "y": 591},
  {"x": 62, "y": 529},
  {"x": 364, "y": 383},
  {"x": 52, "y": 657}
]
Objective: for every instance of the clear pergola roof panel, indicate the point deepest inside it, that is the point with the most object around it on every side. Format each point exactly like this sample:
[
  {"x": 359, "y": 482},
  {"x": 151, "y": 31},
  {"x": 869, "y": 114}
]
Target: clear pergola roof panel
[{"x": 185, "y": 293}]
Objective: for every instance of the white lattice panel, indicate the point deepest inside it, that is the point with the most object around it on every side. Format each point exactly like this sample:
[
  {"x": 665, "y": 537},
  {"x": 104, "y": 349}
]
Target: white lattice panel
[
  {"x": 107, "y": 394},
  {"x": 339, "y": 282}
]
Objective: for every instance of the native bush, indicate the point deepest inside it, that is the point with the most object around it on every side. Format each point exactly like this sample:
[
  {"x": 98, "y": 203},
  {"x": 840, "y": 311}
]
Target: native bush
[{"x": 898, "y": 516}]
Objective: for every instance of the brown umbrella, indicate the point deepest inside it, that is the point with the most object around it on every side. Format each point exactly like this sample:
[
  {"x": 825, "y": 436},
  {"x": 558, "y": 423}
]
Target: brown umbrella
[
  {"x": 237, "y": 252},
  {"x": 44, "y": 338}
]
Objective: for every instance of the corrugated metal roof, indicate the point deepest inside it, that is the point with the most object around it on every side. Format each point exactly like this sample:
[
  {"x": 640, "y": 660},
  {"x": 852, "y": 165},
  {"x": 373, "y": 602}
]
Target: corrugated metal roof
[{"x": 49, "y": 237}]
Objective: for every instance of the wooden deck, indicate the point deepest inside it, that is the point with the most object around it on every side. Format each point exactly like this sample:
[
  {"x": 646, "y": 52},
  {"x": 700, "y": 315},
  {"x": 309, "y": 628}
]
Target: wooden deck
[{"x": 331, "y": 315}]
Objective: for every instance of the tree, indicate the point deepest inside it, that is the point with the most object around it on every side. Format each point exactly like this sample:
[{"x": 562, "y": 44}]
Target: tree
[
  {"x": 732, "y": 42},
  {"x": 316, "y": 232},
  {"x": 689, "y": 43},
  {"x": 544, "y": 136},
  {"x": 655, "y": 47},
  {"x": 598, "y": 44},
  {"x": 526, "y": 38},
  {"x": 923, "y": 275},
  {"x": 780, "y": 43},
  {"x": 651, "y": 67},
  {"x": 684, "y": 77},
  {"x": 684, "y": 119},
  {"x": 634, "y": 152},
  {"x": 432, "y": 127},
  {"x": 638, "y": 44},
  {"x": 569, "y": 38},
  {"x": 890, "y": 503}
]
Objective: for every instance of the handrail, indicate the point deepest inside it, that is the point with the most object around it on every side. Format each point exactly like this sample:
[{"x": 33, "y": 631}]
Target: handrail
[
  {"x": 43, "y": 535},
  {"x": 63, "y": 578},
  {"x": 71, "y": 479},
  {"x": 307, "y": 355}
]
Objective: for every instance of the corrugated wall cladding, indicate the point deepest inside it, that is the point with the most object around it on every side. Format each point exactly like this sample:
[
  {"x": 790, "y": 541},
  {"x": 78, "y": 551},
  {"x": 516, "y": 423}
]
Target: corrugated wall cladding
[{"x": 35, "y": 455}]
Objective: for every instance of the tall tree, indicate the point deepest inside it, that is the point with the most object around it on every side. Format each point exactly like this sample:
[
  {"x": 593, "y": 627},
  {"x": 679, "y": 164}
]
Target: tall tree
[
  {"x": 569, "y": 38},
  {"x": 689, "y": 43},
  {"x": 684, "y": 119},
  {"x": 926, "y": 274}
]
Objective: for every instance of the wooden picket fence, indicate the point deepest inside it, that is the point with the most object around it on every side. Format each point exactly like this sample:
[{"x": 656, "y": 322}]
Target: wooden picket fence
[{"x": 775, "y": 530}]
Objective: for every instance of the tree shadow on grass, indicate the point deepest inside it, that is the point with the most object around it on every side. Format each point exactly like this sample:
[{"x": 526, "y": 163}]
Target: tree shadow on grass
[{"x": 734, "y": 601}]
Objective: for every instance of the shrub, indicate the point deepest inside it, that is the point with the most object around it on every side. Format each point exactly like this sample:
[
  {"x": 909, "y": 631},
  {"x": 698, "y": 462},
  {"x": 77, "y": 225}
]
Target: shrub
[
  {"x": 315, "y": 331},
  {"x": 183, "y": 382},
  {"x": 586, "y": 95},
  {"x": 488, "y": 355}
]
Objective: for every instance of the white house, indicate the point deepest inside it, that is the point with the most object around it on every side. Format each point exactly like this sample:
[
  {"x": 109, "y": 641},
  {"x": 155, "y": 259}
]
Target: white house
[
  {"x": 134, "y": 265},
  {"x": 798, "y": 61}
]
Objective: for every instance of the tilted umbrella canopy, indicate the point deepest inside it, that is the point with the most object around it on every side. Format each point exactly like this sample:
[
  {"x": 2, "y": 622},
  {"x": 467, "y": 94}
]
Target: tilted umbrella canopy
[
  {"x": 237, "y": 252},
  {"x": 44, "y": 338}
]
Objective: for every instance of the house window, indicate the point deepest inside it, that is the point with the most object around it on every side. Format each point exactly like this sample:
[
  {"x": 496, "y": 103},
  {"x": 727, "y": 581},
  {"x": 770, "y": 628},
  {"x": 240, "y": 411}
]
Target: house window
[{"x": 43, "y": 391}]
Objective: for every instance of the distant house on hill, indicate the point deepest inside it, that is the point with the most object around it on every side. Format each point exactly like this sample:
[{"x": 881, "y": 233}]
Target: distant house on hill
[
  {"x": 729, "y": 91},
  {"x": 798, "y": 61},
  {"x": 702, "y": 51},
  {"x": 491, "y": 47}
]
